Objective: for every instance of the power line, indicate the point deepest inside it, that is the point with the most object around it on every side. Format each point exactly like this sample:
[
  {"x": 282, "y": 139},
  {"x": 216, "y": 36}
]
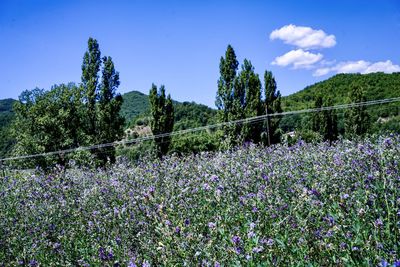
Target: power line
[{"x": 207, "y": 127}]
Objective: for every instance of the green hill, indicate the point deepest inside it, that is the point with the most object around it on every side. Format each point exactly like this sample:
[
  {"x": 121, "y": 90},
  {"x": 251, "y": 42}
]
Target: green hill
[
  {"x": 135, "y": 103},
  {"x": 375, "y": 86},
  {"x": 187, "y": 114}
]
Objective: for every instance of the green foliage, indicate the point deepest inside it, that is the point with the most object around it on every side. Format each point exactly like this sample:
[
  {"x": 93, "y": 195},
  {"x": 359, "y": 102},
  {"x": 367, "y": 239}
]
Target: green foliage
[
  {"x": 272, "y": 105},
  {"x": 46, "y": 122},
  {"x": 6, "y": 118},
  {"x": 375, "y": 86},
  {"x": 90, "y": 68},
  {"x": 357, "y": 118},
  {"x": 247, "y": 101},
  {"x": 110, "y": 123},
  {"x": 101, "y": 120},
  {"x": 238, "y": 97},
  {"x": 227, "y": 67},
  {"x": 192, "y": 115},
  {"x": 325, "y": 122},
  {"x": 194, "y": 143},
  {"x": 162, "y": 111},
  {"x": 135, "y": 104}
]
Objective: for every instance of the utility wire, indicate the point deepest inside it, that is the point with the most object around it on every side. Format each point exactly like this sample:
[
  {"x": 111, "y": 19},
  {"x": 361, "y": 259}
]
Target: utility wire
[{"x": 207, "y": 127}]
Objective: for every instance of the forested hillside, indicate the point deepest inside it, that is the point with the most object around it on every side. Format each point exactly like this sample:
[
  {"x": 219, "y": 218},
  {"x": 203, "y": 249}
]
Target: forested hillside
[
  {"x": 374, "y": 85},
  {"x": 136, "y": 108}
]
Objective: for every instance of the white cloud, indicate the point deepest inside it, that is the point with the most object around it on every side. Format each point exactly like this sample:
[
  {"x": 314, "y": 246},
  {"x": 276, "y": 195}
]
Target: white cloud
[
  {"x": 321, "y": 72},
  {"x": 352, "y": 66},
  {"x": 360, "y": 66},
  {"x": 303, "y": 37},
  {"x": 383, "y": 66},
  {"x": 299, "y": 58}
]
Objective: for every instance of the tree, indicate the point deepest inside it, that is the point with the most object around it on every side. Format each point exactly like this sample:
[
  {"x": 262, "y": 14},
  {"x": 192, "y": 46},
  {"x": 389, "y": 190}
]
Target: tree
[
  {"x": 325, "y": 122},
  {"x": 162, "y": 111},
  {"x": 225, "y": 95},
  {"x": 247, "y": 99},
  {"x": 272, "y": 105},
  {"x": 227, "y": 67},
  {"x": 102, "y": 122},
  {"x": 90, "y": 68},
  {"x": 46, "y": 122},
  {"x": 331, "y": 131},
  {"x": 356, "y": 118},
  {"x": 110, "y": 123},
  {"x": 318, "y": 122}
]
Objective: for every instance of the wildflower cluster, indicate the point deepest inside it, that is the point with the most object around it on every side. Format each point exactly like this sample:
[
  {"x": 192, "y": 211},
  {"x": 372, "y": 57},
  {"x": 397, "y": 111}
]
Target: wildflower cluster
[{"x": 313, "y": 204}]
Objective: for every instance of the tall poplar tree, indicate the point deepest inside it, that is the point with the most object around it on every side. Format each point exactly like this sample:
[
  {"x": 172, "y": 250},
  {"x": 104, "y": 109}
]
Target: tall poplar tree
[
  {"x": 227, "y": 67},
  {"x": 162, "y": 111},
  {"x": 248, "y": 98},
  {"x": 110, "y": 123},
  {"x": 90, "y": 68},
  {"x": 272, "y": 105}
]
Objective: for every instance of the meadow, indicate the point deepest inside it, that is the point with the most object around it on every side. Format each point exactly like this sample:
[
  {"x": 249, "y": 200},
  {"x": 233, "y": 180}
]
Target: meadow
[{"x": 300, "y": 205}]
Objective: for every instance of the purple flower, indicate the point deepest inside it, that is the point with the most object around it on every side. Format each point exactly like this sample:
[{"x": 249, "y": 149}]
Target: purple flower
[
  {"x": 211, "y": 225},
  {"x": 206, "y": 186},
  {"x": 132, "y": 264},
  {"x": 236, "y": 240},
  {"x": 378, "y": 223},
  {"x": 56, "y": 246},
  {"x": 214, "y": 178},
  {"x": 258, "y": 249},
  {"x": 251, "y": 234},
  {"x": 33, "y": 263},
  {"x": 146, "y": 264},
  {"x": 187, "y": 222},
  {"x": 217, "y": 264},
  {"x": 102, "y": 254},
  {"x": 384, "y": 263},
  {"x": 177, "y": 229},
  {"x": 270, "y": 242}
]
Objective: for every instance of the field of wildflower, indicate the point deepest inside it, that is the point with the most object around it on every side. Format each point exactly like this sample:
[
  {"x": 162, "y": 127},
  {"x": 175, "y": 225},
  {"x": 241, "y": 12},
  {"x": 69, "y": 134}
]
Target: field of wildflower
[{"x": 307, "y": 204}]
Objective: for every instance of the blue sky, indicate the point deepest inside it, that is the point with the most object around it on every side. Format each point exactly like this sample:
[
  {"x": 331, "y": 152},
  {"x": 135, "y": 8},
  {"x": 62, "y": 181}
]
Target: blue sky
[{"x": 179, "y": 43}]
